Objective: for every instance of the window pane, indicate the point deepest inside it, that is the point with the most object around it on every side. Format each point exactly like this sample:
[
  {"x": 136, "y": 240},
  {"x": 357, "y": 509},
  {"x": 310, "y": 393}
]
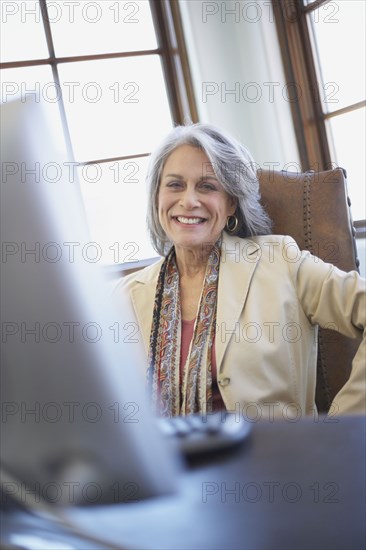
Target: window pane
[
  {"x": 115, "y": 201},
  {"x": 34, "y": 83},
  {"x": 339, "y": 39},
  {"x": 348, "y": 132},
  {"x": 22, "y": 32},
  {"x": 115, "y": 107},
  {"x": 86, "y": 28}
]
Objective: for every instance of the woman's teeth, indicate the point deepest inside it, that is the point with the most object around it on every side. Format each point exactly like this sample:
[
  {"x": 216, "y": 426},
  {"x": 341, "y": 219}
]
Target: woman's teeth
[{"x": 181, "y": 219}]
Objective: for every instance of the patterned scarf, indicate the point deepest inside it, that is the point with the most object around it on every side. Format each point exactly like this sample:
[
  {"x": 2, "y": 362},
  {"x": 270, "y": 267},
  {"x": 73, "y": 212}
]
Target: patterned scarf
[{"x": 195, "y": 395}]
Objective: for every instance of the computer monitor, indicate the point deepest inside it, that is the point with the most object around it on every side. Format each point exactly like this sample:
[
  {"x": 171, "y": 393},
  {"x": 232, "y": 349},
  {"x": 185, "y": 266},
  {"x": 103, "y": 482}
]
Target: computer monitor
[{"x": 76, "y": 427}]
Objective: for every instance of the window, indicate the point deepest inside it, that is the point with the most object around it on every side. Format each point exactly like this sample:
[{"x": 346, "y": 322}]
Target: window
[
  {"x": 323, "y": 46},
  {"x": 115, "y": 78}
]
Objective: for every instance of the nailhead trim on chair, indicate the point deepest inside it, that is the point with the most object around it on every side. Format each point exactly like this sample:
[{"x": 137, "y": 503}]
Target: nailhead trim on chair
[
  {"x": 307, "y": 211},
  {"x": 308, "y": 239}
]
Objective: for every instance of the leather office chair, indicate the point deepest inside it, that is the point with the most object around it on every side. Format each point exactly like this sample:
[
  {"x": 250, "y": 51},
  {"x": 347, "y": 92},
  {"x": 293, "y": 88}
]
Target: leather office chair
[{"x": 313, "y": 208}]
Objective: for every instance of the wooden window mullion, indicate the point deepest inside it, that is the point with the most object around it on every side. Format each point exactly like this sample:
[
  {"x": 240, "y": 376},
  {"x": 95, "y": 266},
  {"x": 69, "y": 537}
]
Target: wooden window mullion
[
  {"x": 167, "y": 23},
  {"x": 302, "y": 85}
]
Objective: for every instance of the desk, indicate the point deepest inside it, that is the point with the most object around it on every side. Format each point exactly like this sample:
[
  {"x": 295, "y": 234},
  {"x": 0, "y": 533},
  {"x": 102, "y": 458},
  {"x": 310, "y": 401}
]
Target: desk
[{"x": 291, "y": 486}]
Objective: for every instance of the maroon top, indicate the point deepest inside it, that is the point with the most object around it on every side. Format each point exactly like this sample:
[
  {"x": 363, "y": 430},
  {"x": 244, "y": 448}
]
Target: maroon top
[{"x": 187, "y": 333}]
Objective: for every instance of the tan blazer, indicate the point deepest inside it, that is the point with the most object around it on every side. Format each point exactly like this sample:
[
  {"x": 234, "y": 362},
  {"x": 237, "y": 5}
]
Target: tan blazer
[{"x": 271, "y": 297}]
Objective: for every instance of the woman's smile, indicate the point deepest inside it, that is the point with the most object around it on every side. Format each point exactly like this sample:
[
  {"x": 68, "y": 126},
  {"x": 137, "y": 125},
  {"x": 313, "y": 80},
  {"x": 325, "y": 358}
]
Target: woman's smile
[{"x": 186, "y": 220}]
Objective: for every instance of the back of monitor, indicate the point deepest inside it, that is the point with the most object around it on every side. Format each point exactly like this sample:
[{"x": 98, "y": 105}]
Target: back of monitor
[{"x": 75, "y": 426}]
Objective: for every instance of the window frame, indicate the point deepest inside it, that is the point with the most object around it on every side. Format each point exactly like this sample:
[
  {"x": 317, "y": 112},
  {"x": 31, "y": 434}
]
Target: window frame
[{"x": 300, "y": 69}]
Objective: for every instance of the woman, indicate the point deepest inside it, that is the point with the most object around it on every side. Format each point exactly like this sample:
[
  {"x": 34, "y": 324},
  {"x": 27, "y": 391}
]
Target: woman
[{"x": 229, "y": 314}]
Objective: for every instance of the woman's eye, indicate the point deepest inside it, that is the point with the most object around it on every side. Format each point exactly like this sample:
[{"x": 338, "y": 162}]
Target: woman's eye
[
  {"x": 174, "y": 184},
  {"x": 208, "y": 186}
]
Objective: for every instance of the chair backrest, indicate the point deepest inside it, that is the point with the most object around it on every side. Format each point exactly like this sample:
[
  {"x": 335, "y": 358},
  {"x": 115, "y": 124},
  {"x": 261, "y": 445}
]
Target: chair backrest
[{"x": 313, "y": 208}]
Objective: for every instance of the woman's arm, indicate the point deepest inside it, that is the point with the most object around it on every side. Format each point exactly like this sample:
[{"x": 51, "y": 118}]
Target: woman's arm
[{"x": 329, "y": 295}]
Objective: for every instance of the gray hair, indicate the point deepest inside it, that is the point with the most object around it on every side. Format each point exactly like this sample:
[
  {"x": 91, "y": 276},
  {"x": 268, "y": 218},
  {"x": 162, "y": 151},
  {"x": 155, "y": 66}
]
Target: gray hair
[{"x": 234, "y": 167}]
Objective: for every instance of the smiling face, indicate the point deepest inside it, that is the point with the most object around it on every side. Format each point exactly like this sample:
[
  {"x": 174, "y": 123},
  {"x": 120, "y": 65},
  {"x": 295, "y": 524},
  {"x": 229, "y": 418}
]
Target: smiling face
[{"x": 192, "y": 204}]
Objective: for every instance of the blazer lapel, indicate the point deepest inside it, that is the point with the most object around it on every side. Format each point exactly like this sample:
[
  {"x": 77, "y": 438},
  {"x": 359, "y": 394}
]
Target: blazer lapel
[
  {"x": 239, "y": 258},
  {"x": 143, "y": 296}
]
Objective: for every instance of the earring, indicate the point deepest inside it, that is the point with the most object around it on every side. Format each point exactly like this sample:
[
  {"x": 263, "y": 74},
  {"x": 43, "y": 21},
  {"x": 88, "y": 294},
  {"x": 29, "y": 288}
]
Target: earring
[{"x": 231, "y": 223}]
